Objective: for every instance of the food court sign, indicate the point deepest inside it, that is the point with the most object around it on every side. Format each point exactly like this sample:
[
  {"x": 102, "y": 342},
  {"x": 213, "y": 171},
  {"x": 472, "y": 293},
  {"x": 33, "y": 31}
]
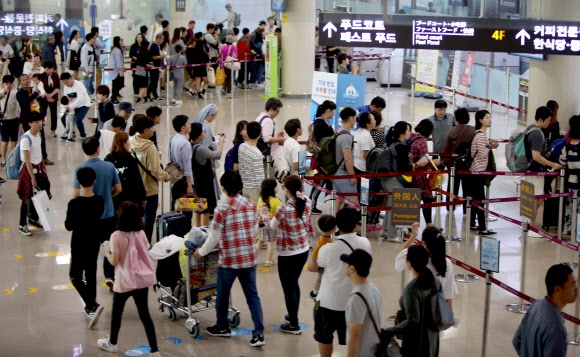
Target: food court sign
[{"x": 26, "y": 24}]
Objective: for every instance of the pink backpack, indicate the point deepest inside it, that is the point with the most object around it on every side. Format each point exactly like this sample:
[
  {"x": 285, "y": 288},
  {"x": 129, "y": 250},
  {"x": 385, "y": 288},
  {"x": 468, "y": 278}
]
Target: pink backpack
[{"x": 137, "y": 271}]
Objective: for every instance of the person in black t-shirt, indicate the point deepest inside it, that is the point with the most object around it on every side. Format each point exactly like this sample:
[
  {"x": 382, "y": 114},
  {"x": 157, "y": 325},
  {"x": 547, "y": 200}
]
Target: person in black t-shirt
[
  {"x": 157, "y": 58},
  {"x": 82, "y": 218}
]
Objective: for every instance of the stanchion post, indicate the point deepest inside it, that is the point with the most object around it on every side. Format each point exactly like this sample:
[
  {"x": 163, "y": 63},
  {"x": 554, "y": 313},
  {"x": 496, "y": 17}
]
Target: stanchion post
[
  {"x": 95, "y": 89},
  {"x": 364, "y": 215},
  {"x": 454, "y": 103},
  {"x": 507, "y": 91},
  {"x": 268, "y": 165},
  {"x": 561, "y": 203},
  {"x": 438, "y": 209},
  {"x": 521, "y": 307},
  {"x": 466, "y": 277},
  {"x": 388, "y": 76},
  {"x": 487, "y": 68},
  {"x": 488, "y": 276},
  {"x": 333, "y": 202},
  {"x": 574, "y": 338},
  {"x": 412, "y": 98},
  {"x": 573, "y": 229},
  {"x": 245, "y": 70},
  {"x": 450, "y": 213},
  {"x": 167, "y": 91},
  {"x": 488, "y": 218}
]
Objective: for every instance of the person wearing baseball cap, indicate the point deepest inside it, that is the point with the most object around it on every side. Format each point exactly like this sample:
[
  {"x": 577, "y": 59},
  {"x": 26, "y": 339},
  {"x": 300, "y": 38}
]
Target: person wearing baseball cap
[
  {"x": 125, "y": 111},
  {"x": 363, "y": 309}
]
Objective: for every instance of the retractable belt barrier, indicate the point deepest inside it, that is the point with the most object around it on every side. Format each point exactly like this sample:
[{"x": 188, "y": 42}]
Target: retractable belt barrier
[{"x": 472, "y": 96}]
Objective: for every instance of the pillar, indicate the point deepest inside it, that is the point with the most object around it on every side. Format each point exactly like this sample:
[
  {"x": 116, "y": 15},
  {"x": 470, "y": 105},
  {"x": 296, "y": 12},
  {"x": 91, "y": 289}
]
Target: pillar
[
  {"x": 298, "y": 49},
  {"x": 558, "y": 77}
]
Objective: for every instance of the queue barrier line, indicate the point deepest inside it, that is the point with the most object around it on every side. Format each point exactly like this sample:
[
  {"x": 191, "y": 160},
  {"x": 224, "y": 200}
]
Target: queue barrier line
[
  {"x": 360, "y": 59},
  {"x": 531, "y": 228},
  {"x": 486, "y": 100},
  {"x": 506, "y": 173},
  {"x": 515, "y": 199}
]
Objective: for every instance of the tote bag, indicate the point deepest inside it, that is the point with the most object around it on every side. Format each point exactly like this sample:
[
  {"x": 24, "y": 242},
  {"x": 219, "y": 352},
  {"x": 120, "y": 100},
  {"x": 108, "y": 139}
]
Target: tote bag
[{"x": 44, "y": 209}]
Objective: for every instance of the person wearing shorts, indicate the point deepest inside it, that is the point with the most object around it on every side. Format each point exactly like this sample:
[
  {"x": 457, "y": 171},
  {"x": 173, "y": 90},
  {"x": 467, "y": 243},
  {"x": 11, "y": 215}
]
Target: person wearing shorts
[
  {"x": 11, "y": 109},
  {"x": 344, "y": 156},
  {"x": 535, "y": 145},
  {"x": 335, "y": 288}
]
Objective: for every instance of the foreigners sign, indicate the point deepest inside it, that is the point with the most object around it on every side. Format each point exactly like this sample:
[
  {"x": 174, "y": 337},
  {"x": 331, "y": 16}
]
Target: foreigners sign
[
  {"x": 406, "y": 206},
  {"x": 450, "y": 33},
  {"x": 526, "y": 200}
]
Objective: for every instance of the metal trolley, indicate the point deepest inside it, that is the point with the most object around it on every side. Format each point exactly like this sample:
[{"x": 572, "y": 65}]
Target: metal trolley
[{"x": 201, "y": 285}]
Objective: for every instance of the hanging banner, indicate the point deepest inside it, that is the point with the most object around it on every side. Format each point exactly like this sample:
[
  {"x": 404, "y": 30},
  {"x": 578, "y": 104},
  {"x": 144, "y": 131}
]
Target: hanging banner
[
  {"x": 511, "y": 6},
  {"x": 344, "y": 90},
  {"x": 465, "y": 77},
  {"x": 271, "y": 67},
  {"x": 427, "y": 63},
  {"x": 452, "y": 80}
]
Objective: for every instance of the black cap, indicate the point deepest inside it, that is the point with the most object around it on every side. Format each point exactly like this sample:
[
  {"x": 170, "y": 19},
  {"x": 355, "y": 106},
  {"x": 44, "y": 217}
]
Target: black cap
[
  {"x": 360, "y": 259},
  {"x": 262, "y": 22}
]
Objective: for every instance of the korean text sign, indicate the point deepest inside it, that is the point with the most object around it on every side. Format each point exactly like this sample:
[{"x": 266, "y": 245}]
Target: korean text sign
[{"x": 406, "y": 206}]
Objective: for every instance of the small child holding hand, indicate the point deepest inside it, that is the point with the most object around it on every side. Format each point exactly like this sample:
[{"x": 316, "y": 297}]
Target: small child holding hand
[{"x": 327, "y": 225}]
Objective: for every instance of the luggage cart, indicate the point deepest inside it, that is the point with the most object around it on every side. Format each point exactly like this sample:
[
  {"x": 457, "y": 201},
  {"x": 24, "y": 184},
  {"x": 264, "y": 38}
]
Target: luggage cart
[{"x": 202, "y": 281}]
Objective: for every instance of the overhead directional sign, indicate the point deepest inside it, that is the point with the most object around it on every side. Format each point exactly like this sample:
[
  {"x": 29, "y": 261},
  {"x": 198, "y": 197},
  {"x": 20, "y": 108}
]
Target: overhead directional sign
[{"x": 450, "y": 33}]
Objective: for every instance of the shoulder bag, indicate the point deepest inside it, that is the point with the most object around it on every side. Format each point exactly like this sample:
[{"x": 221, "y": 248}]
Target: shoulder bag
[
  {"x": 232, "y": 62},
  {"x": 387, "y": 346},
  {"x": 173, "y": 169}
]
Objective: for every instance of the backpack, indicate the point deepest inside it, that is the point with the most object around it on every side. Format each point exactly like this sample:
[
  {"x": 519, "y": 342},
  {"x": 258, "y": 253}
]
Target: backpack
[
  {"x": 379, "y": 160},
  {"x": 261, "y": 145},
  {"x": 556, "y": 149},
  {"x": 137, "y": 271},
  {"x": 442, "y": 316},
  {"x": 326, "y": 157},
  {"x": 515, "y": 151},
  {"x": 311, "y": 143},
  {"x": 229, "y": 161},
  {"x": 281, "y": 166},
  {"x": 237, "y": 19},
  {"x": 14, "y": 162},
  {"x": 464, "y": 158}
]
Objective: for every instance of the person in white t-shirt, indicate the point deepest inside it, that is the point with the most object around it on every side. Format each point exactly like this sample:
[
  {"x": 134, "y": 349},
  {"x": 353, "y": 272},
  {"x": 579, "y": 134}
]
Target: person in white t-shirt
[
  {"x": 439, "y": 264},
  {"x": 79, "y": 100},
  {"x": 335, "y": 287},
  {"x": 363, "y": 142},
  {"x": 106, "y": 136},
  {"x": 32, "y": 174},
  {"x": 291, "y": 146},
  {"x": 269, "y": 136}
]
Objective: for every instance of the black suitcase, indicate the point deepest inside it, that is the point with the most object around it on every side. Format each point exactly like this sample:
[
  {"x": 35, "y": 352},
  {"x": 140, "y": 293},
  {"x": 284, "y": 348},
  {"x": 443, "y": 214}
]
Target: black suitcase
[{"x": 172, "y": 223}]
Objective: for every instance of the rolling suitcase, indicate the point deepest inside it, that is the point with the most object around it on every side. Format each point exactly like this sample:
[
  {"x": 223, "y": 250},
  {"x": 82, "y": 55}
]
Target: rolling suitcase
[{"x": 172, "y": 223}]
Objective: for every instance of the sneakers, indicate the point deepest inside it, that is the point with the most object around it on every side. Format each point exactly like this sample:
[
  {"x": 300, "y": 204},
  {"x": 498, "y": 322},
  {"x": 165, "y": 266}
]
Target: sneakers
[
  {"x": 104, "y": 344},
  {"x": 315, "y": 211},
  {"x": 147, "y": 100},
  {"x": 47, "y": 162},
  {"x": 53, "y": 134},
  {"x": 35, "y": 223},
  {"x": 216, "y": 331},
  {"x": 139, "y": 101},
  {"x": 94, "y": 315},
  {"x": 2, "y": 180},
  {"x": 178, "y": 102},
  {"x": 286, "y": 328},
  {"x": 110, "y": 284},
  {"x": 155, "y": 354},
  {"x": 395, "y": 240},
  {"x": 70, "y": 140},
  {"x": 257, "y": 340},
  {"x": 162, "y": 89},
  {"x": 201, "y": 95},
  {"x": 63, "y": 138},
  {"x": 158, "y": 98},
  {"x": 24, "y": 231}
]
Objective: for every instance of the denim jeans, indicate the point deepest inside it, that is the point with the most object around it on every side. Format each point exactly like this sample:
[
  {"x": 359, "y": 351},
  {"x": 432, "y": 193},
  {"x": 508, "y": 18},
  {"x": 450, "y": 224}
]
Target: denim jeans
[
  {"x": 150, "y": 214},
  {"x": 80, "y": 114},
  {"x": 289, "y": 270},
  {"x": 89, "y": 84},
  {"x": 247, "y": 278}
]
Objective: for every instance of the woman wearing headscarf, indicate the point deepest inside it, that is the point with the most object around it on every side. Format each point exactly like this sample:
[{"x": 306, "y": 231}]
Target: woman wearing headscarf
[{"x": 205, "y": 116}]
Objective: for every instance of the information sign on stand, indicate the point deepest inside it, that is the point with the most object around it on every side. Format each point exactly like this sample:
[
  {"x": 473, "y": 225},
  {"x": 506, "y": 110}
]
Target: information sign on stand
[
  {"x": 364, "y": 191},
  {"x": 489, "y": 254},
  {"x": 302, "y": 162},
  {"x": 527, "y": 200},
  {"x": 406, "y": 206},
  {"x": 271, "y": 67}
]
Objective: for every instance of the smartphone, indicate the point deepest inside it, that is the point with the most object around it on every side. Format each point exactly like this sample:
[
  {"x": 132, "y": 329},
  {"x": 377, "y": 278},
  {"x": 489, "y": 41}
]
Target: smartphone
[{"x": 105, "y": 244}]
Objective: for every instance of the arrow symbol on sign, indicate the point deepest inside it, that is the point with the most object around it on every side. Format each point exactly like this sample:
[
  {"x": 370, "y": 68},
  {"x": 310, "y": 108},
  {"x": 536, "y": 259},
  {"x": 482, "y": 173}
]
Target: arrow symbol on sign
[
  {"x": 523, "y": 34},
  {"x": 329, "y": 27},
  {"x": 62, "y": 24}
]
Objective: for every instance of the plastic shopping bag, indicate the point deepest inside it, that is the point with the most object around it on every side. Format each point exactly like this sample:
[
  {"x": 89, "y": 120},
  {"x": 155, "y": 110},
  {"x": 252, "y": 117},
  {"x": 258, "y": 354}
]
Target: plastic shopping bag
[
  {"x": 210, "y": 76},
  {"x": 44, "y": 209}
]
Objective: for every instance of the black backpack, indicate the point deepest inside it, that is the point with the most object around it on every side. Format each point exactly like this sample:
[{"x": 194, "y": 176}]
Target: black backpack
[
  {"x": 261, "y": 145},
  {"x": 464, "y": 158}
]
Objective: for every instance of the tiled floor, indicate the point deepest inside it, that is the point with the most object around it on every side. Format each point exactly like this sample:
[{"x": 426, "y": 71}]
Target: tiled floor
[{"x": 42, "y": 314}]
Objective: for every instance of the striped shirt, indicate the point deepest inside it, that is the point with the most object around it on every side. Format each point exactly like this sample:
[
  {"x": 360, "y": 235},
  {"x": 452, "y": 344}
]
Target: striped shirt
[
  {"x": 479, "y": 150},
  {"x": 571, "y": 159},
  {"x": 251, "y": 166}
]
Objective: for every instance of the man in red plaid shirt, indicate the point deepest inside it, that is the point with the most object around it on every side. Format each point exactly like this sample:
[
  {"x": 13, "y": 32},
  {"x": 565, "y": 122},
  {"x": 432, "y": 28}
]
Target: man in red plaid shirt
[
  {"x": 418, "y": 148},
  {"x": 233, "y": 228}
]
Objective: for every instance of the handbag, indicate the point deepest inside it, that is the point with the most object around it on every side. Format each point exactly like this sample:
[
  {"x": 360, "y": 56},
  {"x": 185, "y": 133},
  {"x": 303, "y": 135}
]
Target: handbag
[
  {"x": 435, "y": 180},
  {"x": 210, "y": 76},
  {"x": 44, "y": 209},
  {"x": 440, "y": 311},
  {"x": 174, "y": 170},
  {"x": 387, "y": 346},
  {"x": 231, "y": 62},
  {"x": 490, "y": 167},
  {"x": 220, "y": 77}
]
